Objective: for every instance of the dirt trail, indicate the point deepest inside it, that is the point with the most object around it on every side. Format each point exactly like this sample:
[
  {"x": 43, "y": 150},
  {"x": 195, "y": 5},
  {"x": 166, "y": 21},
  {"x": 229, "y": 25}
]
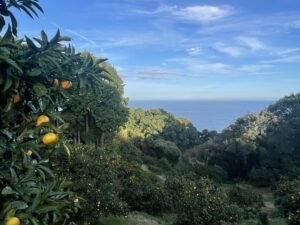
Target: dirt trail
[
  {"x": 268, "y": 199},
  {"x": 141, "y": 220}
]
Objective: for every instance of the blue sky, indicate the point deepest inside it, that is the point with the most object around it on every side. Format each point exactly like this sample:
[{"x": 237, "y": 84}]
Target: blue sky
[{"x": 192, "y": 49}]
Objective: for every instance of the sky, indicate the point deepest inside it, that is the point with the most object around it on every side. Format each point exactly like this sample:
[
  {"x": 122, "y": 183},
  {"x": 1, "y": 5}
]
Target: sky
[{"x": 185, "y": 50}]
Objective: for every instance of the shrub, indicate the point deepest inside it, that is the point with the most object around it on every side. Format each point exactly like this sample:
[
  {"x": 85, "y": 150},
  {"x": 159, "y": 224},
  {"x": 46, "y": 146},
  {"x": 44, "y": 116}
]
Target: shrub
[
  {"x": 200, "y": 202},
  {"x": 141, "y": 190},
  {"x": 287, "y": 195},
  {"x": 94, "y": 170},
  {"x": 161, "y": 148},
  {"x": 249, "y": 201}
]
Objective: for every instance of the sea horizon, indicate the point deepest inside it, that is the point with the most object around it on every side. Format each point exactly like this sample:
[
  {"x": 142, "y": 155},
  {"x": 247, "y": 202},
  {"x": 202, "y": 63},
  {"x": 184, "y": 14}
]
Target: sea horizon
[{"x": 206, "y": 114}]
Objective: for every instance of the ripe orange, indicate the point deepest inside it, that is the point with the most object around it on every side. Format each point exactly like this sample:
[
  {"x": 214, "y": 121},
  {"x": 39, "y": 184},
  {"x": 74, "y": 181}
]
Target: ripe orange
[
  {"x": 42, "y": 119},
  {"x": 13, "y": 221},
  {"x": 50, "y": 138},
  {"x": 66, "y": 84},
  {"x": 16, "y": 98},
  {"x": 29, "y": 153},
  {"x": 56, "y": 83}
]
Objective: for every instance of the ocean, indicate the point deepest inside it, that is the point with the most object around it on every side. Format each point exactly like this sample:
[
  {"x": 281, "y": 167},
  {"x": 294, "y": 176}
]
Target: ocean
[{"x": 211, "y": 115}]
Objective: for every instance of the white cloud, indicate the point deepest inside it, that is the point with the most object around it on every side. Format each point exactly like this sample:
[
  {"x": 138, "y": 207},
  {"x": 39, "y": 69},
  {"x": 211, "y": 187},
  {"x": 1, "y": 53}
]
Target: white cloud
[
  {"x": 228, "y": 50},
  {"x": 203, "y": 13},
  {"x": 196, "y": 13},
  {"x": 251, "y": 42},
  {"x": 194, "y": 51},
  {"x": 153, "y": 73}
]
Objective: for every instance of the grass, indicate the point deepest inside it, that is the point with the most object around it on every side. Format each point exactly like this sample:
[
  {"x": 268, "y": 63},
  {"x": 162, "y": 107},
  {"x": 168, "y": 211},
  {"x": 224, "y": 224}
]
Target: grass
[{"x": 135, "y": 218}]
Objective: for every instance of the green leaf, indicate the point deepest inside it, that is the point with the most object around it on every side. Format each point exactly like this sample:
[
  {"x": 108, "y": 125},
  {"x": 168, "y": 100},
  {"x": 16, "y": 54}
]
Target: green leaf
[
  {"x": 11, "y": 62},
  {"x": 14, "y": 23},
  {"x": 34, "y": 221},
  {"x": 8, "y": 35},
  {"x": 2, "y": 22},
  {"x": 49, "y": 208},
  {"x": 65, "y": 38},
  {"x": 67, "y": 149},
  {"x": 47, "y": 170},
  {"x": 14, "y": 177},
  {"x": 56, "y": 37},
  {"x": 40, "y": 89},
  {"x": 19, "y": 205},
  {"x": 8, "y": 191},
  {"x": 37, "y": 200},
  {"x": 37, "y": 6},
  {"x": 44, "y": 37},
  {"x": 8, "y": 83},
  {"x": 100, "y": 61},
  {"x": 55, "y": 63},
  {"x": 7, "y": 134},
  {"x": 31, "y": 45},
  {"x": 42, "y": 174},
  {"x": 9, "y": 105},
  {"x": 34, "y": 72}
]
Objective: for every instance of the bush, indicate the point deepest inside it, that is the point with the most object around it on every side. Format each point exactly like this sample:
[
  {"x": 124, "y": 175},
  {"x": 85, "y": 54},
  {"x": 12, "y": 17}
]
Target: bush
[
  {"x": 141, "y": 190},
  {"x": 161, "y": 148},
  {"x": 95, "y": 172},
  {"x": 287, "y": 195},
  {"x": 199, "y": 202},
  {"x": 215, "y": 173},
  {"x": 249, "y": 201}
]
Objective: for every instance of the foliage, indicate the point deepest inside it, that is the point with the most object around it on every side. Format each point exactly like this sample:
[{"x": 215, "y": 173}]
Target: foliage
[
  {"x": 246, "y": 199},
  {"x": 287, "y": 195},
  {"x": 161, "y": 148},
  {"x": 142, "y": 191},
  {"x": 98, "y": 186},
  {"x": 263, "y": 177},
  {"x": 30, "y": 188},
  {"x": 199, "y": 202},
  {"x": 158, "y": 123}
]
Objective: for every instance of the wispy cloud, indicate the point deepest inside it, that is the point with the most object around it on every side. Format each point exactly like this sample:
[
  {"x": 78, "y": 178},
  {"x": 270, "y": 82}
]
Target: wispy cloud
[
  {"x": 285, "y": 59},
  {"x": 198, "y": 67},
  {"x": 153, "y": 73},
  {"x": 294, "y": 24},
  {"x": 195, "y": 13},
  {"x": 251, "y": 42},
  {"x": 228, "y": 50},
  {"x": 194, "y": 51},
  {"x": 203, "y": 13}
]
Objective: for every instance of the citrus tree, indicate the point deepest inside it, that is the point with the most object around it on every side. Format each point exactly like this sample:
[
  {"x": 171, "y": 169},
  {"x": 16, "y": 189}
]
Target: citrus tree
[{"x": 37, "y": 77}]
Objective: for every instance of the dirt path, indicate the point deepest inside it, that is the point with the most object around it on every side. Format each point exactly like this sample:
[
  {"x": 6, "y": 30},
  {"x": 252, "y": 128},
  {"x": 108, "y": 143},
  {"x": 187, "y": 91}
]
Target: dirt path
[
  {"x": 268, "y": 199},
  {"x": 139, "y": 219}
]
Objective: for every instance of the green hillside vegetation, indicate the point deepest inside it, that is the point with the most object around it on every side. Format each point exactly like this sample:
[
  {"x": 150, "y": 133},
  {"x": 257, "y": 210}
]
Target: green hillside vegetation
[{"x": 72, "y": 152}]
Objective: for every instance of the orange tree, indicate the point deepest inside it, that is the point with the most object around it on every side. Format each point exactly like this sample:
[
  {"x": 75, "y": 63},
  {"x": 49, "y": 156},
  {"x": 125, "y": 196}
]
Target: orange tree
[{"x": 36, "y": 79}]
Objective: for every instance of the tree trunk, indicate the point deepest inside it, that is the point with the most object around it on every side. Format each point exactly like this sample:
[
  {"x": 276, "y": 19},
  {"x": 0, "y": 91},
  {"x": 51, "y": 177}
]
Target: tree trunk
[
  {"x": 87, "y": 123},
  {"x": 102, "y": 139},
  {"x": 78, "y": 137},
  {"x": 75, "y": 138}
]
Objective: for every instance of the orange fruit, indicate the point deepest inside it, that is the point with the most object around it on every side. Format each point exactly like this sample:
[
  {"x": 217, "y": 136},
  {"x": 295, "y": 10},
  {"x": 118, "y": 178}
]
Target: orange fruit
[
  {"x": 13, "y": 221},
  {"x": 66, "y": 84},
  {"x": 50, "y": 138},
  {"x": 56, "y": 83},
  {"x": 42, "y": 119},
  {"x": 16, "y": 98},
  {"x": 29, "y": 153}
]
